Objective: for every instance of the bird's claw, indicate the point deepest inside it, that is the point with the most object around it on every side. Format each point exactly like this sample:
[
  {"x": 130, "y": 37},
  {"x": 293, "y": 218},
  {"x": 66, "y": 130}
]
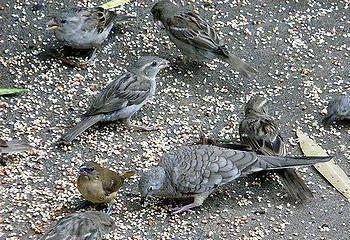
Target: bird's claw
[{"x": 109, "y": 210}]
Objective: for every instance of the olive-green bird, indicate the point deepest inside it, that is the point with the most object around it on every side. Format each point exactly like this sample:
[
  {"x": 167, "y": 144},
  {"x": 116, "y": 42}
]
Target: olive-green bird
[{"x": 100, "y": 185}]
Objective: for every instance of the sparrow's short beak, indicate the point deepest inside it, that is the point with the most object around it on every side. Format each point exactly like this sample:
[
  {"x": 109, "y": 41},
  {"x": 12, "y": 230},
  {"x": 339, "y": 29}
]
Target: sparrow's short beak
[
  {"x": 52, "y": 25},
  {"x": 164, "y": 64}
]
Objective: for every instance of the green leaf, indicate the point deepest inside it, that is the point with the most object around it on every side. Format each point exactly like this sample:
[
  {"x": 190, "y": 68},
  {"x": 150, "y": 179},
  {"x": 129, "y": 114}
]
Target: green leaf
[
  {"x": 8, "y": 91},
  {"x": 329, "y": 170},
  {"x": 113, "y": 4}
]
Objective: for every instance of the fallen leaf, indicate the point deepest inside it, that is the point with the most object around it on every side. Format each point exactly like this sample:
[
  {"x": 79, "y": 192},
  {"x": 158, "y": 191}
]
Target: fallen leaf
[
  {"x": 8, "y": 91},
  {"x": 329, "y": 170},
  {"x": 113, "y": 4}
]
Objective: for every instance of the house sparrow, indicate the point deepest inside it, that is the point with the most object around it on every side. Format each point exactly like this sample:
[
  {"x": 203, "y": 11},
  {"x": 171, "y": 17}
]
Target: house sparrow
[
  {"x": 84, "y": 28},
  {"x": 98, "y": 184},
  {"x": 338, "y": 109},
  {"x": 82, "y": 225},
  {"x": 196, "y": 171},
  {"x": 260, "y": 131},
  {"x": 195, "y": 37},
  {"x": 14, "y": 146},
  {"x": 122, "y": 97}
]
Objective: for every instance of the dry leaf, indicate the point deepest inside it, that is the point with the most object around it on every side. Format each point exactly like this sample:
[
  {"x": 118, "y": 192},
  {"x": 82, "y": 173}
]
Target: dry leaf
[
  {"x": 8, "y": 91},
  {"x": 113, "y": 4},
  {"x": 329, "y": 170}
]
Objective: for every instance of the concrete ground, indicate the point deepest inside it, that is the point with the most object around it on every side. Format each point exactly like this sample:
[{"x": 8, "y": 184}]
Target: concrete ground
[{"x": 301, "y": 50}]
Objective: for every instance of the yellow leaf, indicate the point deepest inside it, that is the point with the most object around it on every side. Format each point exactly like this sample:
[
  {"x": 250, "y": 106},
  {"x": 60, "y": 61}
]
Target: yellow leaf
[
  {"x": 113, "y": 4},
  {"x": 329, "y": 170}
]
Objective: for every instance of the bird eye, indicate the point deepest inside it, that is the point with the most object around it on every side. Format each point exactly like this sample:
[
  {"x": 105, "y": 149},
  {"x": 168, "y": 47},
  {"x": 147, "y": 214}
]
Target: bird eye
[
  {"x": 150, "y": 189},
  {"x": 63, "y": 21},
  {"x": 154, "y": 63}
]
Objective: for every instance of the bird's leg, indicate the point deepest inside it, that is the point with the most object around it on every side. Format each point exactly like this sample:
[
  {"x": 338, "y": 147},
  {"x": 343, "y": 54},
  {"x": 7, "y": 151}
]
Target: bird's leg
[
  {"x": 128, "y": 123},
  {"x": 184, "y": 208},
  {"x": 80, "y": 64},
  {"x": 83, "y": 204},
  {"x": 198, "y": 201},
  {"x": 109, "y": 209},
  {"x": 92, "y": 57}
]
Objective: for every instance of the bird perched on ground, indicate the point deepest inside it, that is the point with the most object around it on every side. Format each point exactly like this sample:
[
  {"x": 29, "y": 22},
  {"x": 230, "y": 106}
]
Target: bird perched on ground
[
  {"x": 122, "y": 97},
  {"x": 260, "y": 131},
  {"x": 84, "y": 28},
  {"x": 196, "y": 171},
  {"x": 14, "y": 146},
  {"x": 98, "y": 184},
  {"x": 83, "y": 225},
  {"x": 338, "y": 109},
  {"x": 195, "y": 37}
]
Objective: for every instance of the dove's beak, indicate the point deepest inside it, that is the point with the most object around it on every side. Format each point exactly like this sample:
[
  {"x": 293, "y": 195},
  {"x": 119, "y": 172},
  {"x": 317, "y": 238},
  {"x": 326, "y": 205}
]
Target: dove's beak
[{"x": 52, "y": 25}]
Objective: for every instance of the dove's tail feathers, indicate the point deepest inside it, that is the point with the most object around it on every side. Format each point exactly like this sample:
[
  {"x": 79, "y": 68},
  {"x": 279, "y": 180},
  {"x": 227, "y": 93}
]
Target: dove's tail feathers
[
  {"x": 288, "y": 162},
  {"x": 128, "y": 174},
  {"x": 15, "y": 146},
  {"x": 294, "y": 184},
  {"x": 75, "y": 131},
  {"x": 241, "y": 66}
]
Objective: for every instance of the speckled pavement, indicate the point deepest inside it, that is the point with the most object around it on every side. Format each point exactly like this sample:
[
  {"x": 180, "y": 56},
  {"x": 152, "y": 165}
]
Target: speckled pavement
[{"x": 301, "y": 50}]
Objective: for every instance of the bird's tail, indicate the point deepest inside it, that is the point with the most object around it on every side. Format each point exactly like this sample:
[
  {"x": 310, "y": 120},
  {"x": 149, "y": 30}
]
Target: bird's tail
[
  {"x": 241, "y": 66},
  {"x": 128, "y": 174},
  {"x": 15, "y": 146},
  {"x": 75, "y": 131},
  {"x": 272, "y": 163},
  {"x": 294, "y": 184}
]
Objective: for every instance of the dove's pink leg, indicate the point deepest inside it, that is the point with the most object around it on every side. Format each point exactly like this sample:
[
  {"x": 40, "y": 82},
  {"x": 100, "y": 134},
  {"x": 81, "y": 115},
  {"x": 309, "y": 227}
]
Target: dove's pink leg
[
  {"x": 184, "y": 208},
  {"x": 197, "y": 201}
]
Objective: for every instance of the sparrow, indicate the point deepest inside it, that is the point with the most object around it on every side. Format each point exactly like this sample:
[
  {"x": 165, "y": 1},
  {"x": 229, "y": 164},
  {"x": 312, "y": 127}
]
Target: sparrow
[
  {"x": 122, "y": 98},
  {"x": 84, "y": 28},
  {"x": 81, "y": 225},
  {"x": 338, "y": 109},
  {"x": 14, "y": 146},
  {"x": 97, "y": 184},
  {"x": 196, "y": 171},
  {"x": 260, "y": 131},
  {"x": 194, "y": 36}
]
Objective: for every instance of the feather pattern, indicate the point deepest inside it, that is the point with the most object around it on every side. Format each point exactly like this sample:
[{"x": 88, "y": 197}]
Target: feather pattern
[
  {"x": 81, "y": 226},
  {"x": 201, "y": 168},
  {"x": 190, "y": 28},
  {"x": 125, "y": 91}
]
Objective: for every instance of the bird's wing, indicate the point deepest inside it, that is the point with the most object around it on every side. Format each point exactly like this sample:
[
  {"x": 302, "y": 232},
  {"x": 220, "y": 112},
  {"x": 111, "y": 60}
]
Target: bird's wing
[
  {"x": 192, "y": 29},
  {"x": 75, "y": 226},
  {"x": 111, "y": 181},
  {"x": 262, "y": 135},
  {"x": 96, "y": 18},
  {"x": 199, "y": 169},
  {"x": 126, "y": 91},
  {"x": 102, "y": 220}
]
